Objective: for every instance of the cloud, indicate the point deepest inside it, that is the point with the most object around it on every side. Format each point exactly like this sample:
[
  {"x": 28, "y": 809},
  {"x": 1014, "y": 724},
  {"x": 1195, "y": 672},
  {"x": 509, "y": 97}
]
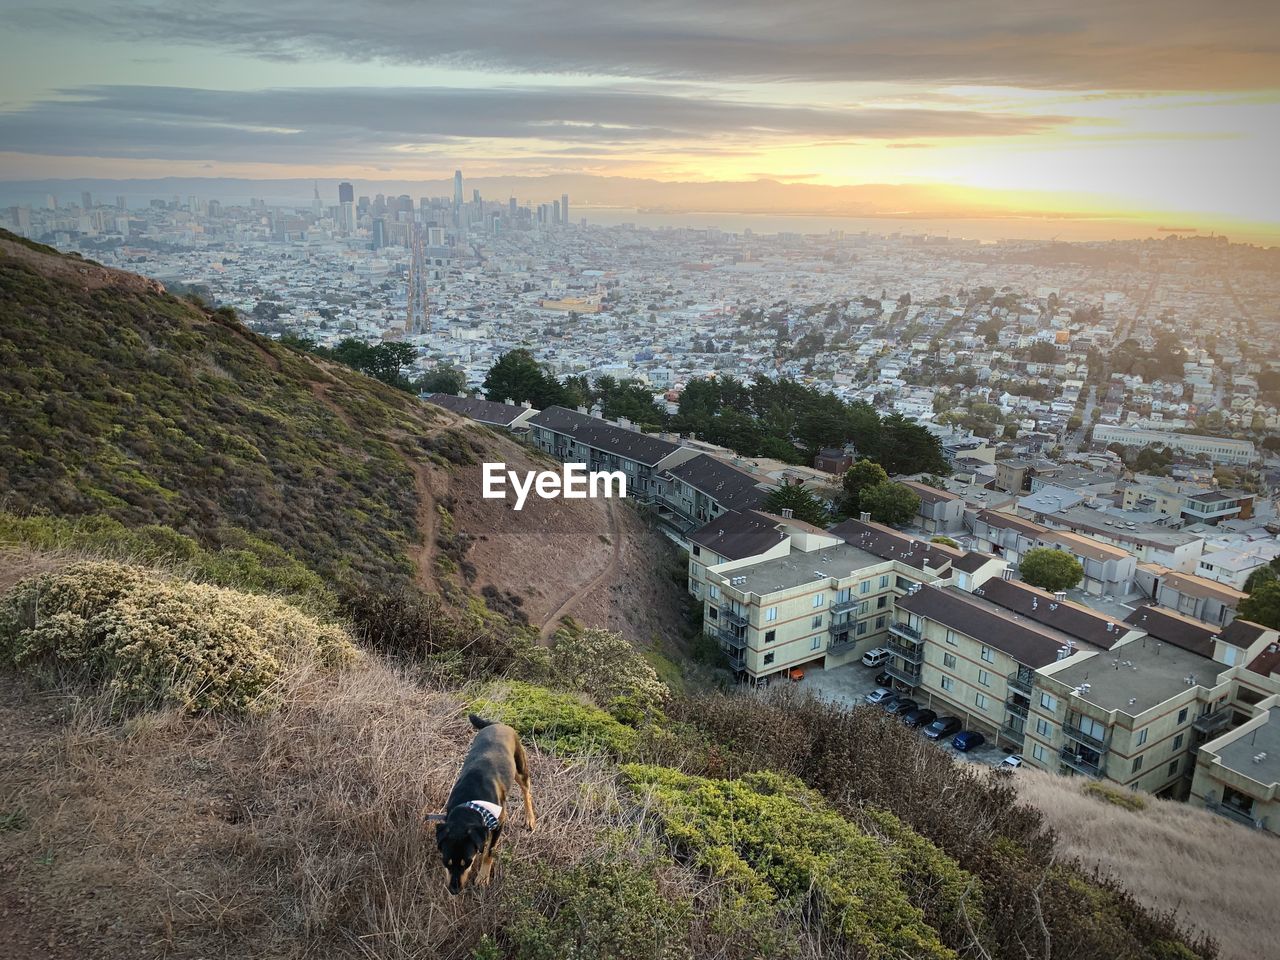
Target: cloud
[
  {"x": 310, "y": 124},
  {"x": 1087, "y": 44}
]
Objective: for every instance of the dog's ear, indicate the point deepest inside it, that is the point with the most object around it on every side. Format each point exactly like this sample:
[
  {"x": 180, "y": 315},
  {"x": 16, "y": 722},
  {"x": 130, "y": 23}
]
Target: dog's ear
[{"x": 477, "y": 835}]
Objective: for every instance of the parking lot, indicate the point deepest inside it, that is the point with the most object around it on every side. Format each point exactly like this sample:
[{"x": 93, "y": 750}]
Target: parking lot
[{"x": 849, "y": 684}]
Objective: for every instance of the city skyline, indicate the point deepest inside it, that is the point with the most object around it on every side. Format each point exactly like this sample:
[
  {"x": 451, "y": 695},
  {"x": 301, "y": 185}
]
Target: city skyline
[{"x": 1166, "y": 114}]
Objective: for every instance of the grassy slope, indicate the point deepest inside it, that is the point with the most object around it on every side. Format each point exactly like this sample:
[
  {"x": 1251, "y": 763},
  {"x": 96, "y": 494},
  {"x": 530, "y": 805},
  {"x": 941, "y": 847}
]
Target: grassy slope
[{"x": 1219, "y": 876}]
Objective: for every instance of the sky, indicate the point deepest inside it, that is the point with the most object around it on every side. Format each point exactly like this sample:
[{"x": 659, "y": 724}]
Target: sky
[{"x": 1167, "y": 110}]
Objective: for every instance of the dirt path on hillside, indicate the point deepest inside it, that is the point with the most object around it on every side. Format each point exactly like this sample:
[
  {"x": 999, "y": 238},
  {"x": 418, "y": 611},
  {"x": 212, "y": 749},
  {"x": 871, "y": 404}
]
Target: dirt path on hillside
[{"x": 609, "y": 572}]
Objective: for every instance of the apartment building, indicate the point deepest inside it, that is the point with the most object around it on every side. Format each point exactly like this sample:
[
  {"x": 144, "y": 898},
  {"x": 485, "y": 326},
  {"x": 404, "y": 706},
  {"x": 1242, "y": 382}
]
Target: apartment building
[
  {"x": 810, "y": 597},
  {"x": 1237, "y": 775},
  {"x": 1137, "y": 714},
  {"x": 1191, "y": 595},
  {"x": 941, "y": 512},
  {"x": 1218, "y": 449},
  {"x": 1148, "y": 542},
  {"x": 696, "y": 491},
  {"x": 577, "y": 437},
  {"x": 500, "y": 416},
  {"x": 1190, "y": 502},
  {"x": 1108, "y": 570}
]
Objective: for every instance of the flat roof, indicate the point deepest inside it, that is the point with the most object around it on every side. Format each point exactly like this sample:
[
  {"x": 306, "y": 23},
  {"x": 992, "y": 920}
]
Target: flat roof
[
  {"x": 798, "y": 568},
  {"x": 1145, "y": 671},
  {"x": 1238, "y": 755},
  {"x": 1026, "y": 642}
]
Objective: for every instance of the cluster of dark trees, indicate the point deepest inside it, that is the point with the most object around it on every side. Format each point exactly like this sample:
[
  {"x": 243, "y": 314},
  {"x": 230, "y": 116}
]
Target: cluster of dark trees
[
  {"x": 385, "y": 362},
  {"x": 772, "y": 418}
]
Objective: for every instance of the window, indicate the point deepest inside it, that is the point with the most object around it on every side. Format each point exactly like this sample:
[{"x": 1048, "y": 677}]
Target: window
[
  {"x": 879, "y": 623},
  {"x": 695, "y": 569},
  {"x": 713, "y": 613},
  {"x": 1173, "y": 768},
  {"x": 770, "y": 636},
  {"x": 697, "y": 550},
  {"x": 882, "y": 602},
  {"x": 1044, "y": 728},
  {"x": 902, "y": 583},
  {"x": 815, "y": 643},
  {"x": 951, "y": 637},
  {"x": 695, "y": 588},
  {"x": 771, "y": 614},
  {"x": 884, "y": 582},
  {"x": 981, "y": 700},
  {"x": 948, "y": 683},
  {"x": 864, "y": 586},
  {"x": 984, "y": 678},
  {"x": 818, "y": 598},
  {"x": 988, "y": 655},
  {"x": 863, "y": 607},
  {"x": 768, "y": 658},
  {"x": 1177, "y": 743},
  {"x": 1048, "y": 702},
  {"x": 1137, "y": 764},
  {"x": 817, "y": 622},
  {"x": 949, "y": 660},
  {"x": 862, "y": 628},
  {"x": 1182, "y": 716},
  {"x": 713, "y": 592},
  {"x": 1142, "y": 737},
  {"x": 1038, "y": 753}
]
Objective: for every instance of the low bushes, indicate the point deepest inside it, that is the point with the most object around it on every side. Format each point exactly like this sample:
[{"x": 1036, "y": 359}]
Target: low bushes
[
  {"x": 563, "y": 722},
  {"x": 780, "y": 845},
  {"x": 152, "y": 641}
]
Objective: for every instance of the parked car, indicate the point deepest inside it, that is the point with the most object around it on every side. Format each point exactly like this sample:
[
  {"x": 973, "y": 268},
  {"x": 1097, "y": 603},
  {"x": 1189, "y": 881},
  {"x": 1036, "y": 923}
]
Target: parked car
[
  {"x": 878, "y": 695},
  {"x": 884, "y": 680},
  {"x": 795, "y": 674},
  {"x": 901, "y": 705},
  {"x": 1009, "y": 763},
  {"x": 875, "y": 657},
  {"x": 942, "y": 727},
  {"x": 966, "y": 740},
  {"x": 919, "y": 717}
]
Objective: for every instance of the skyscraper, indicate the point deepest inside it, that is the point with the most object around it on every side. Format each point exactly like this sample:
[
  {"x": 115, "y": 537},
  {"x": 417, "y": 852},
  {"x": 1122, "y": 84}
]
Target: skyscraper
[
  {"x": 86, "y": 200},
  {"x": 317, "y": 209},
  {"x": 564, "y": 208},
  {"x": 346, "y": 193},
  {"x": 457, "y": 198}
]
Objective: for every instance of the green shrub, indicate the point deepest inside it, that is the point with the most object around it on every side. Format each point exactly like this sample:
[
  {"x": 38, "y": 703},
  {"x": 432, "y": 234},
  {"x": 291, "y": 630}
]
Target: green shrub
[
  {"x": 563, "y": 722},
  {"x": 152, "y": 640},
  {"x": 779, "y": 845},
  {"x": 596, "y": 911},
  {"x": 1120, "y": 798}
]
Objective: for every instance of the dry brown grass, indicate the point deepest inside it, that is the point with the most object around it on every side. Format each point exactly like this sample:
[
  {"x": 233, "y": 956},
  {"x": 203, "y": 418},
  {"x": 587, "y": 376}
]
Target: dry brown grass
[
  {"x": 296, "y": 834},
  {"x": 1218, "y": 876}
]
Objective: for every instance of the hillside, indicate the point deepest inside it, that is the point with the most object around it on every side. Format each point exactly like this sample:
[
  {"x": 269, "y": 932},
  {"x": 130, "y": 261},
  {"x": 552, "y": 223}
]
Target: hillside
[
  {"x": 284, "y": 820},
  {"x": 124, "y": 403}
]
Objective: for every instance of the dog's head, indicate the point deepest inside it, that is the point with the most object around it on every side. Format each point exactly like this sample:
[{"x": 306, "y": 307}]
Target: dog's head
[{"x": 461, "y": 842}]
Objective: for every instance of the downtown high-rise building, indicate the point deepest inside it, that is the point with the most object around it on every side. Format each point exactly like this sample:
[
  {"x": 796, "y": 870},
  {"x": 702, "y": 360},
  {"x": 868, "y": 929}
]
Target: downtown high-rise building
[
  {"x": 346, "y": 193},
  {"x": 564, "y": 208},
  {"x": 457, "y": 198}
]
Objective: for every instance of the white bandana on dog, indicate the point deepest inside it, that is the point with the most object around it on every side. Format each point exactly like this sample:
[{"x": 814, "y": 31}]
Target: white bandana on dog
[{"x": 489, "y": 812}]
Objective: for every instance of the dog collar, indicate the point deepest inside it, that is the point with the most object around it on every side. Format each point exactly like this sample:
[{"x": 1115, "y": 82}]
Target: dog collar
[{"x": 489, "y": 812}]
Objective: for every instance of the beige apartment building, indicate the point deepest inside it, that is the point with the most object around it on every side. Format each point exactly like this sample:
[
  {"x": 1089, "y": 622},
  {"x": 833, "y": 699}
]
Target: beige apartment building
[{"x": 1237, "y": 775}]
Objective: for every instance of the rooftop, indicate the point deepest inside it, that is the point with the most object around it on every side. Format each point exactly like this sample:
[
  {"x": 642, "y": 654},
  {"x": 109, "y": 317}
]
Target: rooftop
[
  {"x": 1138, "y": 675},
  {"x": 728, "y": 486},
  {"x": 482, "y": 411},
  {"x": 1028, "y": 643},
  {"x": 1238, "y": 755},
  {"x": 737, "y": 534},
  {"x": 817, "y": 567},
  {"x": 1171, "y": 627},
  {"x": 602, "y": 435}
]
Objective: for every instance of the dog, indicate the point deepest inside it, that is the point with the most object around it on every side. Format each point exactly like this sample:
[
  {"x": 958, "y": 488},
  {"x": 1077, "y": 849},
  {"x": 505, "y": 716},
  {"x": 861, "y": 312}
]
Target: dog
[{"x": 469, "y": 829}]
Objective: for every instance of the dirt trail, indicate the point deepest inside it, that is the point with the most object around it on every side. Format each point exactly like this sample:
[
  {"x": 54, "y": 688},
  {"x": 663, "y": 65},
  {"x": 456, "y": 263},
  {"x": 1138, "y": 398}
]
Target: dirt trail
[{"x": 609, "y": 572}]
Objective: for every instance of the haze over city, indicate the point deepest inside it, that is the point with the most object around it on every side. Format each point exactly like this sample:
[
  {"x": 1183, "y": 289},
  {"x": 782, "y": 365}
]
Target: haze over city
[{"x": 1164, "y": 114}]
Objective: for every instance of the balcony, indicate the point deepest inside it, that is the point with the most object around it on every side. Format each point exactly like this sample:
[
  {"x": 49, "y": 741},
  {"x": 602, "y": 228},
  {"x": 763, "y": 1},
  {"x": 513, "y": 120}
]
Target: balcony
[
  {"x": 1211, "y": 723},
  {"x": 735, "y": 662},
  {"x": 905, "y": 631},
  {"x": 843, "y": 605},
  {"x": 1075, "y": 733},
  {"x": 1234, "y": 813},
  {"x": 1081, "y": 763},
  {"x": 1013, "y": 731},
  {"x": 841, "y": 626},
  {"x": 729, "y": 638},
  {"x": 737, "y": 619},
  {"x": 1023, "y": 680},
  {"x": 1018, "y": 707},
  {"x": 842, "y": 646},
  {"x": 911, "y": 677},
  {"x": 910, "y": 654}
]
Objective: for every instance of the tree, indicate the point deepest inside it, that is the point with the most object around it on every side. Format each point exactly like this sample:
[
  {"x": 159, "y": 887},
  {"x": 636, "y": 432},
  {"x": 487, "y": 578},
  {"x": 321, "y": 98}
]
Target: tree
[
  {"x": 1050, "y": 569},
  {"x": 1258, "y": 578},
  {"x": 517, "y": 376},
  {"x": 443, "y": 379},
  {"x": 890, "y": 503},
  {"x": 858, "y": 478},
  {"x": 945, "y": 541},
  {"x": 1262, "y": 605},
  {"x": 802, "y": 504}
]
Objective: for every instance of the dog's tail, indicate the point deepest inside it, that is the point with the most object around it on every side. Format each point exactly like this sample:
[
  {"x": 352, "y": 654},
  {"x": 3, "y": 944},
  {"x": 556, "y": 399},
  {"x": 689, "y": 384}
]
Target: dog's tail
[{"x": 480, "y": 722}]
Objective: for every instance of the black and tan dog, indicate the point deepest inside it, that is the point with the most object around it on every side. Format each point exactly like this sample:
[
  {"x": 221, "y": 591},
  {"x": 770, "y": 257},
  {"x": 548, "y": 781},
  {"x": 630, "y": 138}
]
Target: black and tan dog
[{"x": 475, "y": 813}]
